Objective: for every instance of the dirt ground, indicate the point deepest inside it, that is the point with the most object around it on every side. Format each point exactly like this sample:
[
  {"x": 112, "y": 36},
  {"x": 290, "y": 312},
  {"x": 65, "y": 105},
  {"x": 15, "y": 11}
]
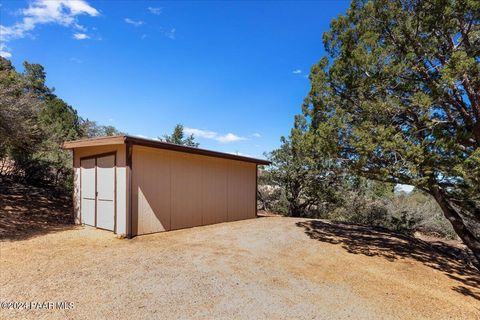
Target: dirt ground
[
  {"x": 27, "y": 211},
  {"x": 270, "y": 267}
]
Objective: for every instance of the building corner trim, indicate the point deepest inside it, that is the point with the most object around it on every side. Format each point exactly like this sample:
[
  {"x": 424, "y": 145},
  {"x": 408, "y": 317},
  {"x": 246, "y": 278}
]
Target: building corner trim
[{"x": 129, "y": 150}]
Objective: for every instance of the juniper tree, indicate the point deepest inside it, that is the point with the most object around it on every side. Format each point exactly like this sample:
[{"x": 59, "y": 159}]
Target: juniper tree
[
  {"x": 313, "y": 184},
  {"x": 397, "y": 99}
]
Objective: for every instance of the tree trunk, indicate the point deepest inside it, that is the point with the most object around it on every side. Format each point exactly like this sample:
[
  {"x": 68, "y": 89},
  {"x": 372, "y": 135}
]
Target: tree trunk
[
  {"x": 294, "y": 209},
  {"x": 294, "y": 201},
  {"x": 458, "y": 225},
  {"x": 261, "y": 200}
]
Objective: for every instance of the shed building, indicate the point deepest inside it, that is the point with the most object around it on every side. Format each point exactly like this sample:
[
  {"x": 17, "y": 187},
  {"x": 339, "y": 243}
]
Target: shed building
[{"x": 134, "y": 186}]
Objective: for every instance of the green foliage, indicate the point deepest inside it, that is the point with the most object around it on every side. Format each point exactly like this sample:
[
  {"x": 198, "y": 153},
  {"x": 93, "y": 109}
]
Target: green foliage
[
  {"x": 35, "y": 76},
  {"x": 178, "y": 137},
  {"x": 306, "y": 183},
  {"x": 19, "y": 128},
  {"x": 91, "y": 129},
  {"x": 346, "y": 198},
  {"x": 398, "y": 100},
  {"x": 60, "y": 120},
  {"x": 422, "y": 208},
  {"x": 405, "y": 213},
  {"x": 34, "y": 122}
]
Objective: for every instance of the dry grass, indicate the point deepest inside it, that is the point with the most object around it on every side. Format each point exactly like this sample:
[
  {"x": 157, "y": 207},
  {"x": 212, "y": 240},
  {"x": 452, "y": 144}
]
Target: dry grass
[{"x": 272, "y": 267}]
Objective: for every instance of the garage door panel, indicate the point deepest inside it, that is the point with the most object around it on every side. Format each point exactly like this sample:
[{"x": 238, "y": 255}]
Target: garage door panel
[
  {"x": 98, "y": 191},
  {"x": 105, "y": 214},
  {"x": 106, "y": 192},
  {"x": 88, "y": 178},
  {"x": 88, "y": 211},
  {"x": 106, "y": 178},
  {"x": 87, "y": 172}
]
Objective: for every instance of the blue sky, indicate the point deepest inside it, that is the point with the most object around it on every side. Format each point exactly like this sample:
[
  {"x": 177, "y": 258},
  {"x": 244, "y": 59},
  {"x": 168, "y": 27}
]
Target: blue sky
[{"x": 233, "y": 73}]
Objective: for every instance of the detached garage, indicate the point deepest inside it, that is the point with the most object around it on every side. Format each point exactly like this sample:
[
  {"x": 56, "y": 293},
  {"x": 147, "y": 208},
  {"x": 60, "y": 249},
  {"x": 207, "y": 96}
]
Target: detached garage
[{"x": 135, "y": 186}]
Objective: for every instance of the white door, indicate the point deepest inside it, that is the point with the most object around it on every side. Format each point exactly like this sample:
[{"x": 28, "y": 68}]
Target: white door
[
  {"x": 106, "y": 192},
  {"x": 87, "y": 176}
]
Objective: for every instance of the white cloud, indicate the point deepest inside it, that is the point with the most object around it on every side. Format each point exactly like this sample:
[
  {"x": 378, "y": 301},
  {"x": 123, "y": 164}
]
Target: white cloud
[
  {"x": 143, "y": 36},
  {"x": 226, "y": 138},
  {"x": 61, "y": 12},
  {"x": 170, "y": 34},
  {"x": 4, "y": 51},
  {"x": 201, "y": 133},
  {"x": 297, "y": 71},
  {"x": 134, "y": 22},
  {"x": 229, "y": 137},
  {"x": 76, "y": 60},
  {"x": 79, "y": 7},
  {"x": 80, "y": 36},
  {"x": 256, "y": 135},
  {"x": 155, "y": 11},
  {"x": 80, "y": 28}
]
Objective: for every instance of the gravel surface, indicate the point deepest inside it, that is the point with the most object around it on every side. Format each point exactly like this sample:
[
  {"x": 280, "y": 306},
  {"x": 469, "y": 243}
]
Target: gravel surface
[{"x": 273, "y": 267}]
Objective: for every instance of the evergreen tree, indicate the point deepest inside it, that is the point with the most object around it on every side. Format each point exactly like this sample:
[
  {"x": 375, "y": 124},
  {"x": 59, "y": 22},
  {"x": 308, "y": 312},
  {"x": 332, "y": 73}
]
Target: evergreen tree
[
  {"x": 178, "y": 137},
  {"x": 34, "y": 122},
  {"x": 398, "y": 100}
]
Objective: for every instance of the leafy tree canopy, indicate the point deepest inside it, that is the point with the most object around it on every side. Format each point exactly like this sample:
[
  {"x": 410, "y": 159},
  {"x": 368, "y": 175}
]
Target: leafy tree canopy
[{"x": 398, "y": 100}]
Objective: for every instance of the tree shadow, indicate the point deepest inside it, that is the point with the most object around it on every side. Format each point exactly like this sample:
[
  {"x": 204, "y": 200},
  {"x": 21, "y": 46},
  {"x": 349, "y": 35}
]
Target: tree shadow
[
  {"x": 28, "y": 211},
  {"x": 373, "y": 241}
]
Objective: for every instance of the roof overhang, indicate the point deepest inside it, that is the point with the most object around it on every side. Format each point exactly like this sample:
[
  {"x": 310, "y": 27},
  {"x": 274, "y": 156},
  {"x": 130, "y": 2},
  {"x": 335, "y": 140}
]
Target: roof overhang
[
  {"x": 124, "y": 139},
  {"x": 100, "y": 141}
]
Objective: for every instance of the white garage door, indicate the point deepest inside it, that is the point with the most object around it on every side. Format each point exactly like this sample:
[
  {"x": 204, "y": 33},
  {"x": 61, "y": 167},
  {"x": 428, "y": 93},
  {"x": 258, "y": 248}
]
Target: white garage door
[
  {"x": 98, "y": 191},
  {"x": 106, "y": 192},
  {"x": 88, "y": 191}
]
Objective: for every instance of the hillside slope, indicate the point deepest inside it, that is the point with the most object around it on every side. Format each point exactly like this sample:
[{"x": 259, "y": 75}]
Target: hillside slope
[{"x": 27, "y": 211}]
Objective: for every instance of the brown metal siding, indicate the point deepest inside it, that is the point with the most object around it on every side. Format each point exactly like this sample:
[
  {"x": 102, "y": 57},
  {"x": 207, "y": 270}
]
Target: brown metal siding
[
  {"x": 186, "y": 186},
  {"x": 214, "y": 197},
  {"x": 241, "y": 190},
  {"x": 174, "y": 190},
  {"x": 151, "y": 192}
]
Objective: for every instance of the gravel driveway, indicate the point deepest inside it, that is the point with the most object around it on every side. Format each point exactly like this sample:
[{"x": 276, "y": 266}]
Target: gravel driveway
[{"x": 273, "y": 267}]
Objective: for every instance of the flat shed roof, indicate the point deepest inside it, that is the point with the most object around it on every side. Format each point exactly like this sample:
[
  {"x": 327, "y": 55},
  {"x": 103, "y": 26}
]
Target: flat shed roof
[{"x": 125, "y": 139}]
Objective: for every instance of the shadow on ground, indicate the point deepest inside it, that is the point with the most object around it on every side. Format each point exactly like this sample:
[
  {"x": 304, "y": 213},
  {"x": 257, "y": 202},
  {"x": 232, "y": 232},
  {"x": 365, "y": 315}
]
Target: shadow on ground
[
  {"x": 370, "y": 241},
  {"x": 27, "y": 211}
]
